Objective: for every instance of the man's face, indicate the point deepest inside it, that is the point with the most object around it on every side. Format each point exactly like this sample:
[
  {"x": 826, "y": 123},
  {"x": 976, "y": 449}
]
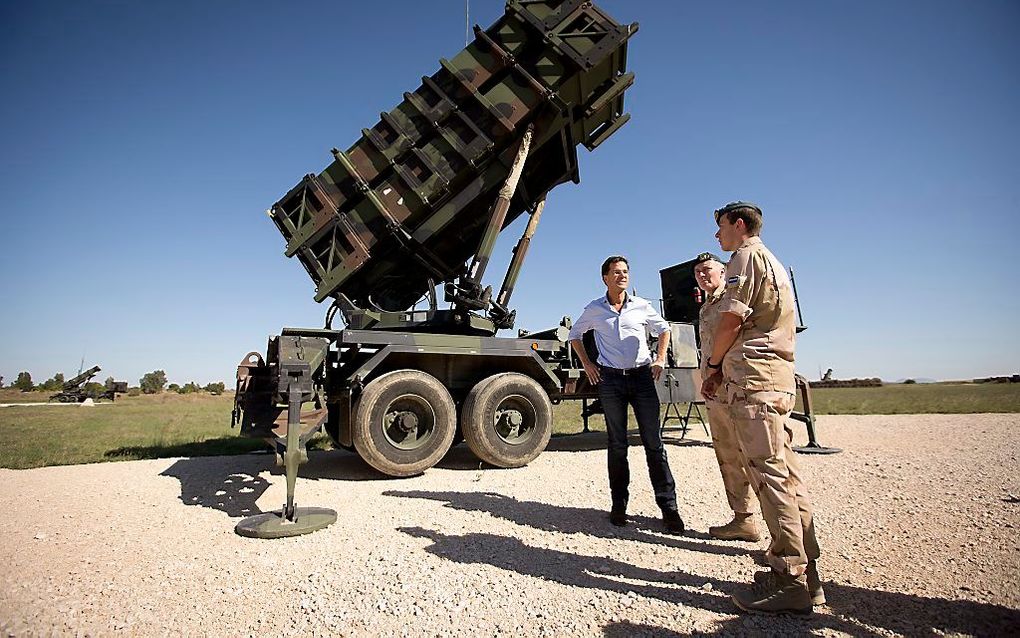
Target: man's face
[
  {"x": 618, "y": 275},
  {"x": 730, "y": 236},
  {"x": 709, "y": 275}
]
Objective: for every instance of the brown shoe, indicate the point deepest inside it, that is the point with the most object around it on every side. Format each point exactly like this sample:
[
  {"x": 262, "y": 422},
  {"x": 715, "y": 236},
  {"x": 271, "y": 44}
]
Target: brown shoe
[
  {"x": 814, "y": 584},
  {"x": 766, "y": 580},
  {"x": 783, "y": 594},
  {"x": 741, "y": 528}
]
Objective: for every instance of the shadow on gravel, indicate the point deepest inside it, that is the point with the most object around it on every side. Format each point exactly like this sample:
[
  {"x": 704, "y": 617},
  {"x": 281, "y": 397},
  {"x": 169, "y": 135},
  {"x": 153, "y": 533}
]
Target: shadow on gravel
[
  {"x": 570, "y": 520},
  {"x": 232, "y": 484},
  {"x": 592, "y": 572},
  {"x": 228, "y": 484},
  {"x": 632, "y": 630},
  {"x": 854, "y": 610},
  {"x": 872, "y": 612},
  {"x": 919, "y": 615}
]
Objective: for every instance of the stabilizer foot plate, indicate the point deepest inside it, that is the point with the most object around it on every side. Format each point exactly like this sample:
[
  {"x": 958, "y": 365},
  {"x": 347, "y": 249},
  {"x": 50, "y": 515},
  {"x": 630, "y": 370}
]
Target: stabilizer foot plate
[
  {"x": 817, "y": 449},
  {"x": 274, "y": 525}
]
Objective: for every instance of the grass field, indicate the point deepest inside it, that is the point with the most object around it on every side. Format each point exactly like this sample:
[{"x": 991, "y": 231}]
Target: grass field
[{"x": 171, "y": 425}]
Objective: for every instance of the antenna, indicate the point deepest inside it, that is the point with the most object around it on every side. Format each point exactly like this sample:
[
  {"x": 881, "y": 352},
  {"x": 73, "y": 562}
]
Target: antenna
[
  {"x": 796, "y": 299},
  {"x": 467, "y": 22}
]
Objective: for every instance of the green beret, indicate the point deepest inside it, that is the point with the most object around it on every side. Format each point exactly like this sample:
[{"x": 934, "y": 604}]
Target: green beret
[
  {"x": 703, "y": 257},
  {"x": 735, "y": 205}
]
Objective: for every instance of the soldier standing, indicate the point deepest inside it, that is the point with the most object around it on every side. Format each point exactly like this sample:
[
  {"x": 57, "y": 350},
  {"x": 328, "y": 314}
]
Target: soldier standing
[
  {"x": 708, "y": 273},
  {"x": 751, "y": 365},
  {"x": 625, "y": 375}
]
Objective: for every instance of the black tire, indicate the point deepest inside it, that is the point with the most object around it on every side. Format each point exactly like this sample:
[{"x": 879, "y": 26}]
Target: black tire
[
  {"x": 404, "y": 423},
  {"x": 489, "y": 415}
]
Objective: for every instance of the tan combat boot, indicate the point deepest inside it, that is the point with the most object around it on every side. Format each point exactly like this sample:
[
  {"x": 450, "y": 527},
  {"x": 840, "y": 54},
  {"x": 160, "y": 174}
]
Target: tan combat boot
[
  {"x": 767, "y": 579},
  {"x": 741, "y": 528},
  {"x": 786, "y": 595}
]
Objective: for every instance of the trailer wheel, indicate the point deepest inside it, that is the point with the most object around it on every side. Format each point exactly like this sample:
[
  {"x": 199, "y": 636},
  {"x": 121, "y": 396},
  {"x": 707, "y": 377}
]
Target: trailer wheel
[
  {"x": 507, "y": 420},
  {"x": 404, "y": 423}
]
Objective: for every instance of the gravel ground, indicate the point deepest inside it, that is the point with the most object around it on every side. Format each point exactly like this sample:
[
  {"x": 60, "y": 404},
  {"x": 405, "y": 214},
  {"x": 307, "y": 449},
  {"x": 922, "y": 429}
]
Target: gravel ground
[{"x": 918, "y": 520}]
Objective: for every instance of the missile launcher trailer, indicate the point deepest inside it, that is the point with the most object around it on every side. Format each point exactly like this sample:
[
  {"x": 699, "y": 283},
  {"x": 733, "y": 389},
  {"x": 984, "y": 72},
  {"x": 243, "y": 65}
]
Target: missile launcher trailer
[
  {"x": 74, "y": 391},
  {"x": 416, "y": 204}
]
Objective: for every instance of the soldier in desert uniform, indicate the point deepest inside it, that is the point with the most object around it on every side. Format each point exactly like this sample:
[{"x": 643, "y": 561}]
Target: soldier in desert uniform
[
  {"x": 751, "y": 365},
  {"x": 708, "y": 273}
]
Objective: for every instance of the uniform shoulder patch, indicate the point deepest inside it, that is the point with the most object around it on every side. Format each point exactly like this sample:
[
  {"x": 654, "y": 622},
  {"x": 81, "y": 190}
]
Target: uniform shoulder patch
[{"x": 736, "y": 281}]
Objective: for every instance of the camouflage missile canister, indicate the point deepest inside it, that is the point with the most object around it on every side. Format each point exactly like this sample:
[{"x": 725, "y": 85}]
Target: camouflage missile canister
[{"x": 409, "y": 201}]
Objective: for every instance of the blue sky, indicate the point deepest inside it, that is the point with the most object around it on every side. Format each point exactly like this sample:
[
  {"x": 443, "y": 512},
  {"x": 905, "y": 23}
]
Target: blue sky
[{"x": 142, "y": 143}]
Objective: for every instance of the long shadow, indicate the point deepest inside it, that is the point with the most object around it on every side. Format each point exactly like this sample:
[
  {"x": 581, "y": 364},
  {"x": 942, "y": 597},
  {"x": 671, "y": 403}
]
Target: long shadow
[
  {"x": 626, "y": 629},
  {"x": 853, "y": 610},
  {"x": 592, "y": 572},
  {"x": 567, "y": 520},
  {"x": 921, "y": 615}
]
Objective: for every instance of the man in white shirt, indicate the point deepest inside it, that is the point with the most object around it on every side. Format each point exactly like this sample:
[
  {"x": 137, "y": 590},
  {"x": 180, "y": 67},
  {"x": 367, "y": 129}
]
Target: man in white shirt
[{"x": 625, "y": 374}]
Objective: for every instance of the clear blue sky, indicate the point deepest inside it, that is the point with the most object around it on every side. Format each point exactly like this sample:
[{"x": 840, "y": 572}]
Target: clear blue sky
[{"x": 142, "y": 143}]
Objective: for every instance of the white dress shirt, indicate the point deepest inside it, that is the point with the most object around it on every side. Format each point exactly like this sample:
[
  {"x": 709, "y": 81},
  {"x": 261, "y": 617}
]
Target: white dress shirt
[{"x": 622, "y": 337}]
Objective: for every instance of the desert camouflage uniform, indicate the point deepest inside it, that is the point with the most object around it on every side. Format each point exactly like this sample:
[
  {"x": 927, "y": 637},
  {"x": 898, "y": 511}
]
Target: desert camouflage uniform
[
  {"x": 724, "y": 439},
  {"x": 759, "y": 389}
]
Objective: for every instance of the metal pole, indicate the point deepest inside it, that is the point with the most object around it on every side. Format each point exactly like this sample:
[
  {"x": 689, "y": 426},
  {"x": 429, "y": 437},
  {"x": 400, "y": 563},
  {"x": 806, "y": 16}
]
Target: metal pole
[
  {"x": 292, "y": 455},
  {"x": 796, "y": 299}
]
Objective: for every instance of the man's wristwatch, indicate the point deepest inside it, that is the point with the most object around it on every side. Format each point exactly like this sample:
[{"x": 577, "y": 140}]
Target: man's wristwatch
[{"x": 717, "y": 366}]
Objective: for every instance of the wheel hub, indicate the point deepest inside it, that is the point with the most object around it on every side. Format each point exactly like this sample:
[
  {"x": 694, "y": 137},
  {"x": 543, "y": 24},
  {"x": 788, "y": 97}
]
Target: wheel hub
[
  {"x": 514, "y": 420},
  {"x": 409, "y": 422}
]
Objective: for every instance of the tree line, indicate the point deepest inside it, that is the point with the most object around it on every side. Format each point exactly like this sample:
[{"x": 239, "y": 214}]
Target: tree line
[{"x": 153, "y": 382}]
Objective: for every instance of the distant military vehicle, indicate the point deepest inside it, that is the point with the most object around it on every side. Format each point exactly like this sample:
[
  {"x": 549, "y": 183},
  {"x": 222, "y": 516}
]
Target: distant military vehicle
[
  {"x": 414, "y": 208},
  {"x": 74, "y": 390}
]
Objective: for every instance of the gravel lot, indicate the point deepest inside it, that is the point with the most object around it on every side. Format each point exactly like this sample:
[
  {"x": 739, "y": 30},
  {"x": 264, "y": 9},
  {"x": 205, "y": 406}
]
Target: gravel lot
[{"x": 918, "y": 519}]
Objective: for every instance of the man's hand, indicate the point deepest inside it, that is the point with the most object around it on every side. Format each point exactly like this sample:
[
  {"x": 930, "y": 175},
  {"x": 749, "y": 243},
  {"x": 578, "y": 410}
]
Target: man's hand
[
  {"x": 657, "y": 367},
  {"x": 592, "y": 371},
  {"x": 710, "y": 386}
]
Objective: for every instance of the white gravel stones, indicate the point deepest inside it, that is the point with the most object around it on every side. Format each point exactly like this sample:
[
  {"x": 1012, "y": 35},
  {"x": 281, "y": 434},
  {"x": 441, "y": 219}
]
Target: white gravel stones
[{"x": 917, "y": 517}]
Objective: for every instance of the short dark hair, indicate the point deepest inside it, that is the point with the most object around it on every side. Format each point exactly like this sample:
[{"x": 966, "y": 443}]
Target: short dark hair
[
  {"x": 746, "y": 211},
  {"x": 612, "y": 259}
]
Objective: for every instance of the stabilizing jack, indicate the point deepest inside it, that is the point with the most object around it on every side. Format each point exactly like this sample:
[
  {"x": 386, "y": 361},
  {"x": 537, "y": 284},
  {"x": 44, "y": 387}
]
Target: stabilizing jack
[
  {"x": 291, "y": 520},
  {"x": 808, "y": 419}
]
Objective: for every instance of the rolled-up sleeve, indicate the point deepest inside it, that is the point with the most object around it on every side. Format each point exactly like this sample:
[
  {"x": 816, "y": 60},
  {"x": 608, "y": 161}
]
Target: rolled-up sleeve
[
  {"x": 655, "y": 325},
  {"x": 583, "y": 324},
  {"x": 742, "y": 277}
]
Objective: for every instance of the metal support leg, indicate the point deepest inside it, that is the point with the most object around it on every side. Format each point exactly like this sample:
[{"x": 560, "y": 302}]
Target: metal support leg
[
  {"x": 672, "y": 412},
  {"x": 808, "y": 419},
  {"x": 290, "y": 520},
  {"x": 292, "y": 455},
  {"x": 693, "y": 407}
]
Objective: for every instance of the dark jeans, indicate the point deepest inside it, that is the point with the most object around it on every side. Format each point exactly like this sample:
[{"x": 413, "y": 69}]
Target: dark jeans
[{"x": 616, "y": 392}]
